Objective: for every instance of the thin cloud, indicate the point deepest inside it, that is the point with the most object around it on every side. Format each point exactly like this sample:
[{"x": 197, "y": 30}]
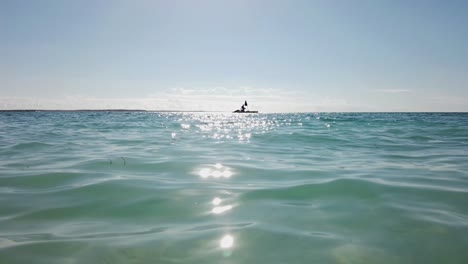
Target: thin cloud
[
  {"x": 183, "y": 99},
  {"x": 449, "y": 100},
  {"x": 189, "y": 99},
  {"x": 393, "y": 90}
]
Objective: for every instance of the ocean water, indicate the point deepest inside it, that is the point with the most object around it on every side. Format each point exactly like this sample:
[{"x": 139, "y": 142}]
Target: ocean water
[{"x": 149, "y": 187}]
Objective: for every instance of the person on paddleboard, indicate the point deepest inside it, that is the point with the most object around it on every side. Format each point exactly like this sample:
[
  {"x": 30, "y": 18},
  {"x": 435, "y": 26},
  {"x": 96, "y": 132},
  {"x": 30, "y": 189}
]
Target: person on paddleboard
[{"x": 243, "y": 106}]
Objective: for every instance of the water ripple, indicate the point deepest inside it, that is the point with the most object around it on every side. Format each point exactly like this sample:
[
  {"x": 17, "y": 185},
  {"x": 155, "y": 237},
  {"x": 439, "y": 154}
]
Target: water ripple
[{"x": 149, "y": 187}]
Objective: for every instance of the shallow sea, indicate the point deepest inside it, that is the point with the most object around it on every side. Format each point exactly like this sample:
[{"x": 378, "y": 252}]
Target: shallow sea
[{"x": 149, "y": 187}]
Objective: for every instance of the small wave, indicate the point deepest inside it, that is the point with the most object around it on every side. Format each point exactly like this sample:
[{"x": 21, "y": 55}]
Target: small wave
[
  {"x": 41, "y": 181},
  {"x": 22, "y": 239},
  {"x": 332, "y": 188},
  {"x": 419, "y": 185},
  {"x": 352, "y": 253},
  {"x": 31, "y": 146},
  {"x": 217, "y": 226},
  {"x": 434, "y": 212}
]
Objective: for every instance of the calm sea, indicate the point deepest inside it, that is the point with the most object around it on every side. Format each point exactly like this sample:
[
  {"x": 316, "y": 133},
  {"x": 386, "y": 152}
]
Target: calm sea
[{"x": 149, "y": 187}]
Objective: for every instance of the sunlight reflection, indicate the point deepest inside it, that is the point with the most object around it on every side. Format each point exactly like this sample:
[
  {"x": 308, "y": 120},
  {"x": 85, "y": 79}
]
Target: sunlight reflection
[
  {"x": 230, "y": 130},
  {"x": 225, "y": 127},
  {"x": 221, "y": 209},
  {"x": 226, "y": 242},
  {"x": 205, "y": 173},
  {"x": 227, "y": 174},
  {"x": 216, "y": 171},
  {"x": 216, "y": 174},
  {"x": 216, "y": 201}
]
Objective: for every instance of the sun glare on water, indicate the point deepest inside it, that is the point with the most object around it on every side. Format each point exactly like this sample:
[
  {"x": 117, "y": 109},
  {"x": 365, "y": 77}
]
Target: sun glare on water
[{"x": 226, "y": 242}]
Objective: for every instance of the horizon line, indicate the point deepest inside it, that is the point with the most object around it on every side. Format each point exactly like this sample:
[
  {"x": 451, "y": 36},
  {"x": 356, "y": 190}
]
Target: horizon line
[{"x": 204, "y": 111}]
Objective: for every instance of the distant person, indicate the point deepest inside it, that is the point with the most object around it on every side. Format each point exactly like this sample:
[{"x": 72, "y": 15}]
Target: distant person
[{"x": 243, "y": 108}]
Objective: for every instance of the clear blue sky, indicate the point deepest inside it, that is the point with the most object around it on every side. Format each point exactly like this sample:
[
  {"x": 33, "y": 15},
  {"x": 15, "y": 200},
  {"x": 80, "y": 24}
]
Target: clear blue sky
[{"x": 330, "y": 55}]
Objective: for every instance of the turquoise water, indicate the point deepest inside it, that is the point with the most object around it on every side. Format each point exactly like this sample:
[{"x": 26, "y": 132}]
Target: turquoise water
[{"x": 147, "y": 187}]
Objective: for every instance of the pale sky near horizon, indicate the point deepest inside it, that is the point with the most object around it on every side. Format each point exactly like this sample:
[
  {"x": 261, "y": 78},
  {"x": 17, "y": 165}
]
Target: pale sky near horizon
[{"x": 280, "y": 56}]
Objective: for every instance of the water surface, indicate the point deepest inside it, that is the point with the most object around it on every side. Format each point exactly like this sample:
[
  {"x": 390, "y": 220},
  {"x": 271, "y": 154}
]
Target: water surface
[{"x": 148, "y": 187}]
